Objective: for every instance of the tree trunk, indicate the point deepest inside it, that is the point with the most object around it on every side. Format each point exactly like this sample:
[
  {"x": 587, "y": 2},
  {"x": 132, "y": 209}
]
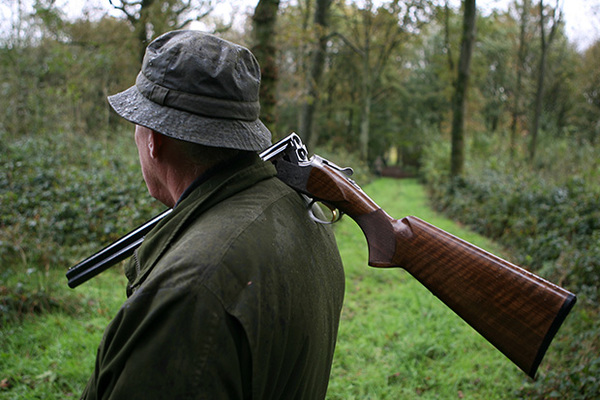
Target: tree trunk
[
  {"x": 364, "y": 128},
  {"x": 447, "y": 46},
  {"x": 517, "y": 108},
  {"x": 459, "y": 100},
  {"x": 366, "y": 100},
  {"x": 313, "y": 78},
  {"x": 263, "y": 23},
  {"x": 140, "y": 23},
  {"x": 539, "y": 94}
]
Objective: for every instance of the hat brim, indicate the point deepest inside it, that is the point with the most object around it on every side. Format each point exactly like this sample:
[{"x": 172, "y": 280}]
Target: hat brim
[{"x": 216, "y": 132}]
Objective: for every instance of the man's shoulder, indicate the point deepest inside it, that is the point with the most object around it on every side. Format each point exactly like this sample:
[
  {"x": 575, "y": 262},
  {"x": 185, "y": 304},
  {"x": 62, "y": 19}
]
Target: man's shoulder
[
  {"x": 253, "y": 227},
  {"x": 248, "y": 234},
  {"x": 252, "y": 210}
]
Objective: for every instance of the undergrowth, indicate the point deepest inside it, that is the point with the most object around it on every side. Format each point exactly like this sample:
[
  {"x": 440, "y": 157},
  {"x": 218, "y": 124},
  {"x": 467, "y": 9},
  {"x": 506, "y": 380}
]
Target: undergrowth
[{"x": 62, "y": 197}]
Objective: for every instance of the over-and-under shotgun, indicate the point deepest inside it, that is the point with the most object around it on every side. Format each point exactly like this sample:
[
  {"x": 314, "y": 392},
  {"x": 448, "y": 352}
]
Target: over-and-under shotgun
[{"x": 515, "y": 310}]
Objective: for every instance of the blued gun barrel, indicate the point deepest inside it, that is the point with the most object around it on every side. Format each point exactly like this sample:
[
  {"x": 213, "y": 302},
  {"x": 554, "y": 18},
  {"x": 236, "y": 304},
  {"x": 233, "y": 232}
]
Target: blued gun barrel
[{"x": 111, "y": 254}]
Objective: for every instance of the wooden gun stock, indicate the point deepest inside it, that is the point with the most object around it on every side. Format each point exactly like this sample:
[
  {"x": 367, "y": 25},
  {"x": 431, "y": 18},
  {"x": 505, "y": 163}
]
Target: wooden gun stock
[{"x": 515, "y": 310}]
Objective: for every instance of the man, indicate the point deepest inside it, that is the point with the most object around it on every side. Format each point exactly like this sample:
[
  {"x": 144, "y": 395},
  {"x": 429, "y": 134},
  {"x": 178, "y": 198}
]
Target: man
[{"x": 237, "y": 293}]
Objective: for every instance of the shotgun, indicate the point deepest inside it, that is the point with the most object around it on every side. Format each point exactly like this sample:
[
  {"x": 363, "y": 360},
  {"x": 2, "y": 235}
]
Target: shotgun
[{"x": 516, "y": 311}]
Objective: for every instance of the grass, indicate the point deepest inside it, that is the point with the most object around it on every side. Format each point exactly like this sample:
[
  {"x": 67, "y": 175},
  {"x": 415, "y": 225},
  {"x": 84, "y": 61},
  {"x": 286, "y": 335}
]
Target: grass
[
  {"x": 396, "y": 340},
  {"x": 50, "y": 355}
]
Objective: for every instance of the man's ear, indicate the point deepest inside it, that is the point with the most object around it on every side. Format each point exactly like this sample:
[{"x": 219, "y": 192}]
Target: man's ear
[{"x": 155, "y": 144}]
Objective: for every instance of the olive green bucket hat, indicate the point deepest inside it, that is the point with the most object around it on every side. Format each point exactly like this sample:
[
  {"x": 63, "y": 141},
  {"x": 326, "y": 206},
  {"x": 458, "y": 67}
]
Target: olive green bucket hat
[{"x": 199, "y": 88}]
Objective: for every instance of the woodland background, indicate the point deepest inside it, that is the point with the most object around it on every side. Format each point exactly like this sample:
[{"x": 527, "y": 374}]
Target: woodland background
[{"x": 497, "y": 114}]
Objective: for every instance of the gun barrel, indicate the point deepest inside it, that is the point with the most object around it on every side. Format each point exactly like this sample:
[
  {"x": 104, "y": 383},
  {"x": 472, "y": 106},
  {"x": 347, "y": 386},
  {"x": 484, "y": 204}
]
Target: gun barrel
[{"x": 111, "y": 254}]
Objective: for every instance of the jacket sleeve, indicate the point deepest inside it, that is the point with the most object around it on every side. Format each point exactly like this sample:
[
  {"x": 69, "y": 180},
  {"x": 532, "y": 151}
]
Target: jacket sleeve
[{"x": 149, "y": 348}]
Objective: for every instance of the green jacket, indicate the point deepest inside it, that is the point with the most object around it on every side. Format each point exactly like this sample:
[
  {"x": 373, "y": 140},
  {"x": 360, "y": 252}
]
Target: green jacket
[{"x": 236, "y": 294}]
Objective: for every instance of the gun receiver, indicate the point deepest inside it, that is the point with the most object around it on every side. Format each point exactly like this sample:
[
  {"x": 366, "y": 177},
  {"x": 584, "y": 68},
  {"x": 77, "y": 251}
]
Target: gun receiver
[{"x": 516, "y": 311}]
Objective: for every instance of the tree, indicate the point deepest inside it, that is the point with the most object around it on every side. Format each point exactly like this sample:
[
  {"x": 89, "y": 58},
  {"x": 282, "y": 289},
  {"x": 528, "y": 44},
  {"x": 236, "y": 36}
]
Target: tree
[
  {"x": 376, "y": 33},
  {"x": 492, "y": 69},
  {"x": 545, "y": 42},
  {"x": 588, "y": 113},
  {"x": 263, "y": 47},
  {"x": 104, "y": 61},
  {"x": 459, "y": 99},
  {"x": 150, "y": 18},
  {"x": 517, "y": 108},
  {"x": 58, "y": 72},
  {"x": 314, "y": 75}
]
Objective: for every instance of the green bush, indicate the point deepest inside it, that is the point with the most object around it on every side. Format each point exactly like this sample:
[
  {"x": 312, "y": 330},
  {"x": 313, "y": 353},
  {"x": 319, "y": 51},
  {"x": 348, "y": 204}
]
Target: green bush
[
  {"x": 554, "y": 230},
  {"x": 62, "y": 198}
]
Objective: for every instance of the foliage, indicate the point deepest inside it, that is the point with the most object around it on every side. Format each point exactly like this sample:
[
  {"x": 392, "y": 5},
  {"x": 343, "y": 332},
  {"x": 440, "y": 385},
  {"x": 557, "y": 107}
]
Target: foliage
[
  {"x": 63, "y": 197},
  {"x": 585, "y": 122},
  {"x": 54, "y": 86},
  {"x": 389, "y": 72},
  {"x": 365, "y": 45},
  {"x": 57, "y": 208},
  {"x": 552, "y": 226}
]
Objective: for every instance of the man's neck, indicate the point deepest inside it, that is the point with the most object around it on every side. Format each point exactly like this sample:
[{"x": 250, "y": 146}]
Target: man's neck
[{"x": 240, "y": 158}]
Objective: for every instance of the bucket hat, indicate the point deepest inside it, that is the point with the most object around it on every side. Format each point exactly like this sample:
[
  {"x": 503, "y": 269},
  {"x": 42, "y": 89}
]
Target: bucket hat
[{"x": 198, "y": 88}]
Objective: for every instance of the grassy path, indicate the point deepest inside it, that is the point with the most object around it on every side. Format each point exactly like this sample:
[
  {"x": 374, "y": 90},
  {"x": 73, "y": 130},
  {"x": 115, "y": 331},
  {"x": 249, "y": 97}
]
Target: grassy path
[{"x": 397, "y": 341}]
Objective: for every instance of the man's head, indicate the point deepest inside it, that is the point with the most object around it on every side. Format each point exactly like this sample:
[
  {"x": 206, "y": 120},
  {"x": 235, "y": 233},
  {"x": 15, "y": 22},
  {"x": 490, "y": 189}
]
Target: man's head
[
  {"x": 199, "y": 91},
  {"x": 198, "y": 88},
  {"x": 170, "y": 165}
]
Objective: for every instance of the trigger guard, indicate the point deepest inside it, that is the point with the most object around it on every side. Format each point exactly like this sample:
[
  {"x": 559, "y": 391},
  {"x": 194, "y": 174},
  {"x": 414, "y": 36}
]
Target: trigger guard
[{"x": 336, "y": 214}]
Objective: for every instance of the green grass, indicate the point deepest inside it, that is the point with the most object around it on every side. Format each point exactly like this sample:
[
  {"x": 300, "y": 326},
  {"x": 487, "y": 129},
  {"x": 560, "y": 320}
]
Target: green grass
[
  {"x": 396, "y": 340},
  {"x": 50, "y": 355}
]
